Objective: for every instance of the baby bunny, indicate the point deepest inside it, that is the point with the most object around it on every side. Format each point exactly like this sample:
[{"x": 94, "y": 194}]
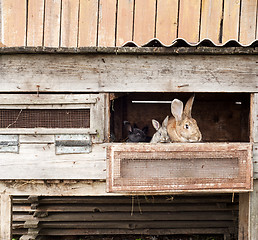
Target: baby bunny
[
  {"x": 135, "y": 134},
  {"x": 182, "y": 127},
  {"x": 161, "y": 136}
]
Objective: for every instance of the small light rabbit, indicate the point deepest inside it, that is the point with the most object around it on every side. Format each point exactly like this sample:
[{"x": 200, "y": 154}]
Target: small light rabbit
[
  {"x": 135, "y": 134},
  {"x": 182, "y": 127},
  {"x": 161, "y": 136}
]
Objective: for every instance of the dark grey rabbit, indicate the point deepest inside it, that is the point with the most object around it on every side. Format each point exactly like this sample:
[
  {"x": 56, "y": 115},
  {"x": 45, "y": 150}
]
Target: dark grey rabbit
[{"x": 135, "y": 134}]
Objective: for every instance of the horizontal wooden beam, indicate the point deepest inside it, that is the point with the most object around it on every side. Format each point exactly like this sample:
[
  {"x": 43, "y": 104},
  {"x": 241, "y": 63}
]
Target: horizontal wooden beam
[
  {"x": 134, "y": 50},
  {"x": 128, "y": 73}
]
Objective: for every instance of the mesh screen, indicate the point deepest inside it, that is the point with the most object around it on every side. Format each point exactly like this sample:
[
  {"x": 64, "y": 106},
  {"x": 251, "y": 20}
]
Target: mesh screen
[{"x": 44, "y": 118}]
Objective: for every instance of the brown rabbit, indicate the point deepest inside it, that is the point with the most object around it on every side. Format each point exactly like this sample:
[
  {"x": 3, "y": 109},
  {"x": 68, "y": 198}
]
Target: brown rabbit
[{"x": 182, "y": 127}]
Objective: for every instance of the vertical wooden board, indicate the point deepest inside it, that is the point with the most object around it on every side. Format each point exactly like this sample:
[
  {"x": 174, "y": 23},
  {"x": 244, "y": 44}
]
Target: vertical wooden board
[
  {"x": 247, "y": 21},
  {"x": 6, "y": 217},
  {"x": 211, "y": 17},
  {"x": 144, "y": 21},
  {"x": 244, "y": 216},
  {"x": 1, "y": 26},
  {"x": 189, "y": 20},
  {"x": 231, "y": 20},
  {"x": 254, "y": 211},
  {"x": 88, "y": 18},
  {"x": 166, "y": 26},
  {"x": 35, "y": 23},
  {"x": 255, "y": 160},
  {"x": 254, "y": 117},
  {"x": 69, "y": 23},
  {"x": 52, "y": 23},
  {"x": 14, "y": 22},
  {"x": 124, "y": 21},
  {"x": 107, "y": 23}
]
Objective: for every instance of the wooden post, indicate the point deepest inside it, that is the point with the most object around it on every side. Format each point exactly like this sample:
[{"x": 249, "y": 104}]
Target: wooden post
[
  {"x": 254, "y": 194},
  {"x": 6, "y": 217},
  {"x": 244, "y": 216}
]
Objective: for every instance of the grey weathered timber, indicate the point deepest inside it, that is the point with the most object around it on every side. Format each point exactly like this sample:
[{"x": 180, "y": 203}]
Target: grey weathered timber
[
  {"x": 134, "y": 50},
  {"x": 254, "y": 123},
  {"x": 244, "y": 216},
  {"x": 6, "y": 217},
  {"x": 54, "y": 187},
  {"x": 128, "y": 73},
  {"x": 39, "y": 161},
  {"x": 254, "y": 211},
  {"x": 255, "y": 160}
]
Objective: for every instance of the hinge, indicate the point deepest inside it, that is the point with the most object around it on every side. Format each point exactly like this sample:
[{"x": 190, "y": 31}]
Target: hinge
[
  {"x": 73, "y": 143},
  {"x": 9, "y": 143}
]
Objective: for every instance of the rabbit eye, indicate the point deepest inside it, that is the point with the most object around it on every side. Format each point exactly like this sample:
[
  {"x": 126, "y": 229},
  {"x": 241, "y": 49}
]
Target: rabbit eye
[{"x": 186, "y": 126}]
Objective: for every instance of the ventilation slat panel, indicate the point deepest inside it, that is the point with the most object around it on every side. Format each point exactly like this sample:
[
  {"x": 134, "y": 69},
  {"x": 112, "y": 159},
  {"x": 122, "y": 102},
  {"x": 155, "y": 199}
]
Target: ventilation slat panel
[{"x": 157, "y": 215}]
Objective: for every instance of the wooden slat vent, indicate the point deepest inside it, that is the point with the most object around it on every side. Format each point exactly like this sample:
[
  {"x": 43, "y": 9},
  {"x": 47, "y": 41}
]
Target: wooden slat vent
[
  {"x": 150, "y": 215},
  {"x": 180, "y": 167},
  {"x": 45, "y": 118}
]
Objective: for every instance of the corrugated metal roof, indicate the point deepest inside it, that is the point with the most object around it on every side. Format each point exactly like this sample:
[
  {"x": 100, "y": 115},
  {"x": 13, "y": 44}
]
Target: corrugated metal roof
[{"x": 180, "y": 42}]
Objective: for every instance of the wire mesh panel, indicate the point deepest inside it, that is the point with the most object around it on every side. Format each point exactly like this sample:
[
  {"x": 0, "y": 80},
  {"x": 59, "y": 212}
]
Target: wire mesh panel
[
  {"x": 180, "y": 167},
  {"x": 45, "y": 118}
]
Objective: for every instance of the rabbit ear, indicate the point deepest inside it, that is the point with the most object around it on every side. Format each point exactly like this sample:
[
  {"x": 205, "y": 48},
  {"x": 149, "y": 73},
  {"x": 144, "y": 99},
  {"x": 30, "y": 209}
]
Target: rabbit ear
[
  {"x": 155, "y": 124},
  {"x": 177, "y": 109},
  {"x": 188, "y": 107},
  {"x": 165, "y": 122}
]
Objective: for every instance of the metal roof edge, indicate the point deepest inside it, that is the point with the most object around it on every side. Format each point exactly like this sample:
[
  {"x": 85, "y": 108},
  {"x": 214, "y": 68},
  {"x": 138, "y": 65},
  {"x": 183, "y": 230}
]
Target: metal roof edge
[{"x": 182, "y": 42}]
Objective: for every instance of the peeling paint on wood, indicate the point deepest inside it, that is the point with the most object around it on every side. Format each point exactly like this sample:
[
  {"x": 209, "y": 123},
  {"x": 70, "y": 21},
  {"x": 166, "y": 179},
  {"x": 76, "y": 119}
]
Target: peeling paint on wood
[{"x": 179, "y": 167}]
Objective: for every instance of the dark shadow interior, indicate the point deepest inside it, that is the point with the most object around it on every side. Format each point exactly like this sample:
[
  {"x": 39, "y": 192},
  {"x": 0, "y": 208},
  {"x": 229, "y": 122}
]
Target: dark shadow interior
[{"x": 221, "y": 117}]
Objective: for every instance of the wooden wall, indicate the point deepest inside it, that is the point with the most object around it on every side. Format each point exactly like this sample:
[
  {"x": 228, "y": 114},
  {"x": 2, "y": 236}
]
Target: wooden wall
[{"x": 80, "y": 23}]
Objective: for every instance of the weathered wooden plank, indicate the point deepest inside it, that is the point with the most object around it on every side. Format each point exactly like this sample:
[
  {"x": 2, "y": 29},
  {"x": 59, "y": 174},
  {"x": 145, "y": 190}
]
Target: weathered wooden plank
[
  {"x": 124, "y": 22},
  {"x": 255, "y": 160},
  {"x": 107, "y": 23},
  {"x": 189, "y": 20},
  {"x": 52, "y": 23},
  {"x": 138, "y": 224},
  {"x": 14, "y": 22},
  {"x": 179, "y": 173},
  {"x": 88, "y": 23},
  {"x": 211, "y": 17},
  {"x": 49, "y": 99},
  {"x": 231, "y": 20},
  {"x": 144, "y": 21},
  {"x": 254, "y": 118},
  {"x": 183, "y": 231},
  {"x": 39, "y": 161},
  {"x": 166, "y": 26},
  {"x": 69, "y": 23},
  {"x": 244, "y": 216},
  {"x": 142, "y": 207},
  {"x": 223, "y": 199},
  {"x": 248, "y": 21},
  {"x": 35, "y": 22},
  {"x": 254, "y": 211},
  {"x": 144, "y": 216},
  {"x": 125, "y": 73},
  {"x": 6, "y": 217}
]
